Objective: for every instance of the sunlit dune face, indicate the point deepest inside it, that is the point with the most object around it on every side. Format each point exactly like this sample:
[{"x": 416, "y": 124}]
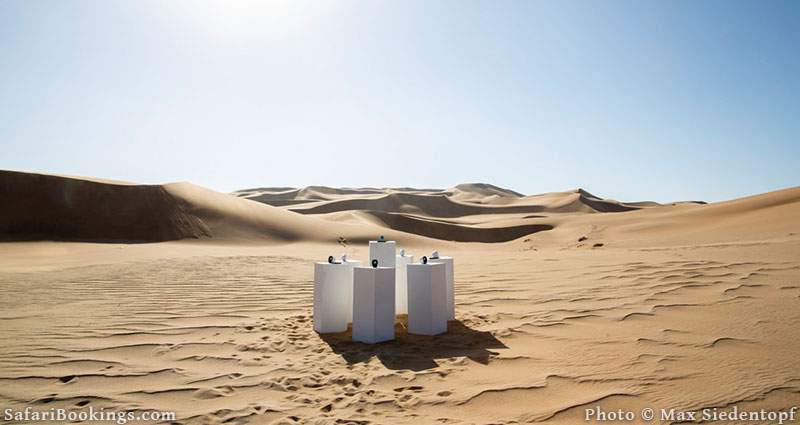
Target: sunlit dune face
[{"x": 249, "y": 20}]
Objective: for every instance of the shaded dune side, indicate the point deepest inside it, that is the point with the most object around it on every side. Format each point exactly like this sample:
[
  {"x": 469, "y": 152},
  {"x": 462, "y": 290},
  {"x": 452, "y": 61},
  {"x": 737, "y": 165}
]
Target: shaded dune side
[
  {"x": 429, "y": 205},
  {"x": 462, "y": 200},
  {"x": 276, "y": 202},
  {"x": 277, "y": 199},
  {"x": 37, "y": 207},
  {"x": 455, "y": 232},
  {"x": 605, "y": 205},
  {"x": 284, "y": 196},
  {"x": 47, "y": 207},
  {"x": 486, "y": 189},
  {"x": 580, "y": 201}
]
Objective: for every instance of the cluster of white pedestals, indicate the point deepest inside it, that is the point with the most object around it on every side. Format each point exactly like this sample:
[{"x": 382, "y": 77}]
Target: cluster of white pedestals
[{"x": 370, "y": 297}]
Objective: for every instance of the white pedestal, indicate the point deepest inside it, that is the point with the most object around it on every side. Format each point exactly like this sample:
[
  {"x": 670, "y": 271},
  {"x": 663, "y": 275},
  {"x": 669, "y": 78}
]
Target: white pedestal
[
  {"x": 401, "y": 285},
  {"x": 373, "y": 304},
  {"x": 384, "y": 252},
  {"x": 451, "y": 304},
  {"x": 333, "y": 296},
  {"x": 427, "y": 299}
]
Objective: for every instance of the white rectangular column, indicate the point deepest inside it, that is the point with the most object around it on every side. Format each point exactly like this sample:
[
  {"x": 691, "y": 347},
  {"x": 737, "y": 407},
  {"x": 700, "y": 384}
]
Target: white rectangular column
[
  {"x": 333, "y": 296},
  {"x": 373, "y": 304},
  {"x": 451, "y": 301},
  {"x": 384, "y": 252},
  {"x": 427, "y": 299},
  {"x": 401, "y": 283}
]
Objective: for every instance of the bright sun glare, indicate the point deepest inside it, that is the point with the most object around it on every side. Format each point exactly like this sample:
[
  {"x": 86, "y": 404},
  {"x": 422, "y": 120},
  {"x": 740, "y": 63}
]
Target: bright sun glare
[{"x": 249, "y": 20}]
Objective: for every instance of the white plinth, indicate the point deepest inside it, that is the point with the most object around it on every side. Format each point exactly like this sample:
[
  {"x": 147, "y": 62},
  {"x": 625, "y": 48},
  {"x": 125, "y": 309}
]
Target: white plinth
[
  {"x": 333, "y": 296},
  {"x": 384, "y": 252},
  {"x": 427, "y": 299},
  {"x": 451, "y": 301},
  {"x": 400, "y": 282},
  {"x": 373, "y": 304}
]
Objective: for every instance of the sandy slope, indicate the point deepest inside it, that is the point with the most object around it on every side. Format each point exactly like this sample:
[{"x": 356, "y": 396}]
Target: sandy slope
[
  {"x": 40, "y": 206},
  {"x": 48, "y": 207},
  {"x": 681, "y": 306}
]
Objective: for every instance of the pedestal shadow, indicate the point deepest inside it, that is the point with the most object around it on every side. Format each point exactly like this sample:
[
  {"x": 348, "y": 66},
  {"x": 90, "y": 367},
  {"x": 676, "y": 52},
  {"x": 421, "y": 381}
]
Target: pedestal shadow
[{"x": 417, "y": 352}]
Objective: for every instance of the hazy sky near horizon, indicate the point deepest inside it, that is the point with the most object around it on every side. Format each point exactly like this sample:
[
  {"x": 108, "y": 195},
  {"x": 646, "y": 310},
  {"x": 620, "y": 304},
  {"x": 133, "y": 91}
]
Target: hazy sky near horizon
[{"x": 661, "y": 100}]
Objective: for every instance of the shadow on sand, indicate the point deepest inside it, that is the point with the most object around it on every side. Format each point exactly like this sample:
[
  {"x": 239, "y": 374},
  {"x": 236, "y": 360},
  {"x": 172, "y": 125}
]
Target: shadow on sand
[{"x": 417, "y": 352}]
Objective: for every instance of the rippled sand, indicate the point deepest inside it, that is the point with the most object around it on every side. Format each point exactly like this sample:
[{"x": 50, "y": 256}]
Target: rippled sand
[{"x": 224, "y": 335}]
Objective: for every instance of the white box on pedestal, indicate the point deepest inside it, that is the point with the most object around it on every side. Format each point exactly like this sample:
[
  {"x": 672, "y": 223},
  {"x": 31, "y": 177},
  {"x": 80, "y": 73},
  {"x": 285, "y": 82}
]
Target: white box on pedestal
[
  {"x": 427, "y": 299},
  {"x": 333, "y": 296},
  {"x": 373, "y": 304},
  {"x": 400, "y": 284},
  {"x": 451, "y": 301},
  {"x": 384, "y": 252}
]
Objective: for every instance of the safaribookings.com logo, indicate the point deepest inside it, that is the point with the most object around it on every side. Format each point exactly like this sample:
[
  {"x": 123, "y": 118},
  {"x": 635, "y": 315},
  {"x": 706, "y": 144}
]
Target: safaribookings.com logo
[{"x": 89, "y": 414}]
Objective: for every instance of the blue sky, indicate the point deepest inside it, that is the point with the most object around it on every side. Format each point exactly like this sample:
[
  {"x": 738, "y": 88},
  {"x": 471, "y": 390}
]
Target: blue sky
[{"x": 634, "y": 100}]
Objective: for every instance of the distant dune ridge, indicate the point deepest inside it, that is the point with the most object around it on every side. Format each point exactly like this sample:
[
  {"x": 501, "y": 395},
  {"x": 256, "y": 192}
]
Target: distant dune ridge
[
  {"x": 47, "y": 207},
  {"x": 463, "y": 199},
  {"x": 50, "y": 207}
]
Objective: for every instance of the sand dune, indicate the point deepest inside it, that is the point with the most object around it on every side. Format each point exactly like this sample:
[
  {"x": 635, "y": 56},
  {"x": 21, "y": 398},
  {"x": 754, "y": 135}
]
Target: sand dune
[
  {"x": 48, "y": 207},
  {"x": 68, "y": 208},
  {"x": 427, "y": 204},
  {"x": 51, "y": 207},
  {"x": 230, "y": 217},
  {"x": 40, "y": 206},
  {"x": 580, "y": 201},
  {"x": 565, "y": 301},
  {"x": 280, "y": 196},
  {"x": 481, "y": 193},
  {"x": 754, "y": 218},
  {"x": 463, "y": 199},
  {"x": 454, "y": 232}
]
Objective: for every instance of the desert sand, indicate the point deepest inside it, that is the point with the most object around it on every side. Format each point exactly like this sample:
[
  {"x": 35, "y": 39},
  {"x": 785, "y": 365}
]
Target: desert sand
[{"x": 179, "y": 298}]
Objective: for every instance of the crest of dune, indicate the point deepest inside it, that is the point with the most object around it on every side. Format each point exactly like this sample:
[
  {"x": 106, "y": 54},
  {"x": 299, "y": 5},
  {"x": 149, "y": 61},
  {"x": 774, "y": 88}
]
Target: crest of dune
[{"x": 52, "y": 207}]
